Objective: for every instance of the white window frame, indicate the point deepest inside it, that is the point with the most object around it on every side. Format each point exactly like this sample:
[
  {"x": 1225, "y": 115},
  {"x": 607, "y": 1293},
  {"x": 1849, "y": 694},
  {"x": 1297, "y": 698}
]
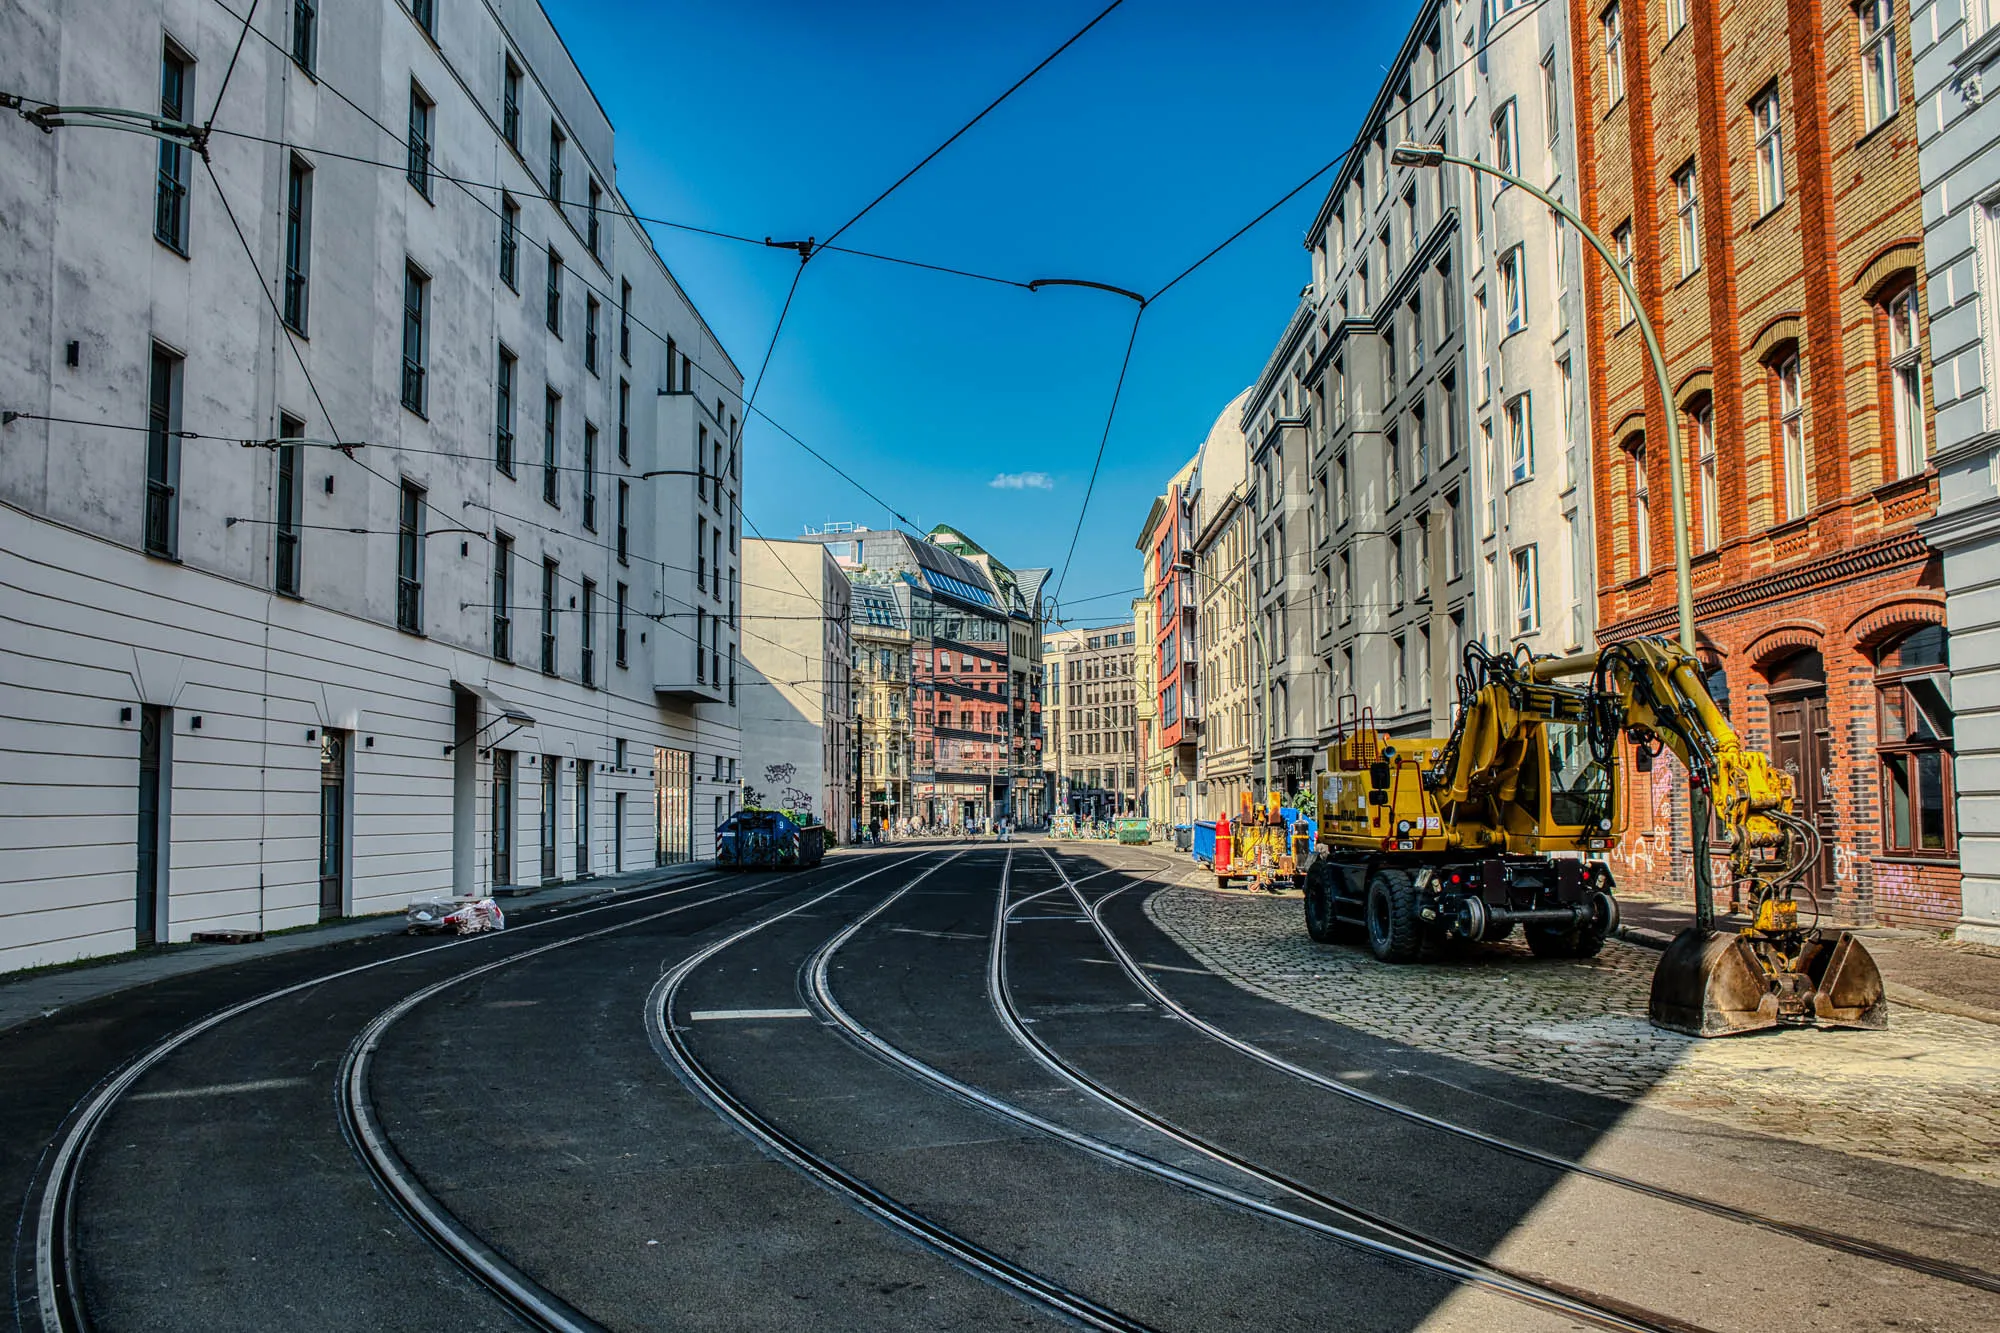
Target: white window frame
[
  {"x": 1687, "y": 214},
  {"x": 1566, "y": 405},
  {"x": 1677, "y": 17},
  {"x": 1614, "y": 55},
  {"x": 1768, "y": 126},
  {"x": 1792, "y": 435},
  {"x": 1551, "y": 104},
  {"x": 1514, "y": 289},
  {"x": 1520, "y": 440},
  {"x": 1525, "y": 567},
  {"x": 1642, "y": 512},
  {"x": 1507, "y": 139},
  {"x": 1906, "y": 382},
  {"x": 1875, "y": 38},
  {"x": 1709, "y": 501},
  {"x": 1621, "y": 245}
]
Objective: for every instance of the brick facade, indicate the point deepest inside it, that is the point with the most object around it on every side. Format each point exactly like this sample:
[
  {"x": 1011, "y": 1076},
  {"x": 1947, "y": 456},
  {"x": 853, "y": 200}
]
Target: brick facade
[{"x": 1826, "y": 561}]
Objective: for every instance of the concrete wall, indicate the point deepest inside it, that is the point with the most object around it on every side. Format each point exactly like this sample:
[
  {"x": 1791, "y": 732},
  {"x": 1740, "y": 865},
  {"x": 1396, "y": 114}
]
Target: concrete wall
[
  {"x": 1957, "y": 93},
  {"x": 97, "y": 626}
]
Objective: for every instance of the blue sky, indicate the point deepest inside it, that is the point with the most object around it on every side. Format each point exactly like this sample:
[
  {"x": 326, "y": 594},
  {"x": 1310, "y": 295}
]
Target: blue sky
[{"x": 1164, "y": 129}]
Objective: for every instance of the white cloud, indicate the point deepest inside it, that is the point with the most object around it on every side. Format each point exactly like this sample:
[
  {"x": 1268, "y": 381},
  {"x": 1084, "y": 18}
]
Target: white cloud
[{"x": 1023, "y": 481}]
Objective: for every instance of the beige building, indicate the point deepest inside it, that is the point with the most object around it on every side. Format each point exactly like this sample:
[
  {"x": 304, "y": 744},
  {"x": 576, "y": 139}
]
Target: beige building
[
  {"x": 1092, "y": 719},
  {"x": 797, "y": 700},
  {"x": 885, "y": 723},
  {"x": 1156, "y": 766},
  {"x": 1221, "y": 550}
]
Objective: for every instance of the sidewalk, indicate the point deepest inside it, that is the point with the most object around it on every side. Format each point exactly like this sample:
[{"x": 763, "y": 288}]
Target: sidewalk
[
  {"x": 38, "y": 992},
  {"x": 1919, "y": 968}
]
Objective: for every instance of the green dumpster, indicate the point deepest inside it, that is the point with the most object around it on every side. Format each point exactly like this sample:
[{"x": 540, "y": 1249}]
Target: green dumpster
[{"x": 1136, "y": 832}]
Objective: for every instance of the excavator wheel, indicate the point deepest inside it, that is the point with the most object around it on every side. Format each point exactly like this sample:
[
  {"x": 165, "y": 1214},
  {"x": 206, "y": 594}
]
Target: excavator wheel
[
  {"x": 1395, "y": 931},
  {"x": 1322, "y": 888}
]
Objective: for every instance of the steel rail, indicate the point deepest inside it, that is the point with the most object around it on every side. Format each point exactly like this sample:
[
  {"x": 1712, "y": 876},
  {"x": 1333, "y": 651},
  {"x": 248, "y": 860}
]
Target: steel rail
[
  {"x": 1416, "y": 1249},
  {"x": 59, "y": 1295},
  {"x": 1894, "y": 1256},
  {"x": 670, "y": 1044},
  {"x": 536, "y": 1304}
]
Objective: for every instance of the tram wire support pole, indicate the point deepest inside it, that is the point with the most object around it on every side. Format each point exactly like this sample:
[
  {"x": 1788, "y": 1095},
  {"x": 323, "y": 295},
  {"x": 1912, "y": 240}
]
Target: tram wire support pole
[{"x": 1409, "y": 154}]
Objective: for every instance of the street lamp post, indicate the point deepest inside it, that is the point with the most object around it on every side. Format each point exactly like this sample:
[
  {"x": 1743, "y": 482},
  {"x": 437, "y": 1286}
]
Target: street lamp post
[{"x": 1432, "y": 155}]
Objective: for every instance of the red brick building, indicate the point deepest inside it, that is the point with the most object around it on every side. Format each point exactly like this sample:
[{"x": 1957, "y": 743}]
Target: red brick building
[{"x": 1756, "y": 164}]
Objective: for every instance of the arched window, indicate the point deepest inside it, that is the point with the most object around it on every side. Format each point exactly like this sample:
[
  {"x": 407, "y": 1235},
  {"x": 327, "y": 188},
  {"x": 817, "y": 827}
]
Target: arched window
[
  {"x": 1789, "y": 410},
  {"x": 1707, "y": 497},
  {"x": 1904, "y": 412},
  {"x": 1913, "y": 686}
]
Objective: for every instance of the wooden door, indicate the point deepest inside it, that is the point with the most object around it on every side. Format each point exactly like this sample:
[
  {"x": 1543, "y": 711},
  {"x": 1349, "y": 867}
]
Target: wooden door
[{"x": 1802, "y": 745}]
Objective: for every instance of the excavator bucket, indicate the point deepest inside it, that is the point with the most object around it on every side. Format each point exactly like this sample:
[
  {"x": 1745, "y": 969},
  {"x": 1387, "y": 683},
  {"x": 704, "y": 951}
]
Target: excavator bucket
[
  {"x": 1711, "y": 985},
  {"x": 1715, "y": 985},
  {"x": 1847, "y": 986}
]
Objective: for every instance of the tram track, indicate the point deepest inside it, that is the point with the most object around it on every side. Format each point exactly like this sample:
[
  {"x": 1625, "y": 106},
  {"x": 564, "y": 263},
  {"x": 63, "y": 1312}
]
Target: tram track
[
  {"x": 670, "y": 1044},
  {"x": 1892, "y": 1256},
  {"x": 59, "y": 1297}
]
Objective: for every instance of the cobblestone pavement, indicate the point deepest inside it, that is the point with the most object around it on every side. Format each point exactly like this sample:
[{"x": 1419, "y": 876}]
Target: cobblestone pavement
[{"x": 1924, "y": 1093}]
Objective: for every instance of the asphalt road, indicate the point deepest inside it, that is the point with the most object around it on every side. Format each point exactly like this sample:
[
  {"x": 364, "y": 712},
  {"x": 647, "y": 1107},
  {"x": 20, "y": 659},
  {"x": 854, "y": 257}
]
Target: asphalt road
[{"x": 912, "y": 1089}]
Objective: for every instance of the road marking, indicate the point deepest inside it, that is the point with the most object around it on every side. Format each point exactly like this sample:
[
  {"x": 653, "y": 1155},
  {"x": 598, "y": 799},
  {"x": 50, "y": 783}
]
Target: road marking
[
  {"x": 1150, "y": 967},
  {"x": 707, "y": 1015},
  {"x": 934, "y": 934},
  {"x": 216, "y": 1090}
]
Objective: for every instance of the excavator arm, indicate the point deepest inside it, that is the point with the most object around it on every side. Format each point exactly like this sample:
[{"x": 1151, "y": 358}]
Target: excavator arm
[{"x": 1775, "y": 970}]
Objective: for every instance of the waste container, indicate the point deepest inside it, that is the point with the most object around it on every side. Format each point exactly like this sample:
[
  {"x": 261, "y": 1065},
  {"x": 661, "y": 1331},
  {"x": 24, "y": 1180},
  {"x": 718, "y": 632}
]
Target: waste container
[
  {"x": 1132, "y": 831},
  {"x": 1184, "y": 837},
  {"x": 1204, "y": 841}
]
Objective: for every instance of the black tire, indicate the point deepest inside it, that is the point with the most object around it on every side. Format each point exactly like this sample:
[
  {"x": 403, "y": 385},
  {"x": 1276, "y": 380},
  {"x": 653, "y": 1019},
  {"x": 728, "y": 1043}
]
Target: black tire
[
  {"x": 1556, "y": 942},
  {"x": 1498, "y": 935},
  {"x": 1322, "y": 894},
  {"x": 1395, "y": 931}
]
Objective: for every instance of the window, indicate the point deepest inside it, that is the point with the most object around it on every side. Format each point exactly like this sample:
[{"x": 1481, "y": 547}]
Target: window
[
  {"x": 1642, "y": 511},
  {"x": 1792, "y": 433},
  {"x": 556, "y": 142},
  {"x": 1488, "y": 478},
  {"x": 510, "y": 104},
  {"x": 1687, "y": 210},
  {"x": 551, "y": 446},
  {"x": 1770, "y": 150},
  {"x": 1398, "y": 593},
  {"x": 1478, "y": 332},
  {"x": 589, "y": 477},
  {"x": 1402, "y": 677},
  {"x": 1507, "y": 140},
  {"x": 503, "y": 596},
  {"x": 1415, "y": 320},
  {"x": 1906, "y": 382},
  {"x": 163, "y": 455},
  {"x": 591, "y": 311},
  {"x": 1456, "y": 539},
  {"x": 1677, "y": 17},
  {"x": 701, "y": 643},
  {"x": 298, "y": 242},
  {"x": 1551, "y": 99},
  {"x": 1614, "y": 56},
  {"x": 1913, "y": 684},
  {"x": 554, "y": 314},
  {"x": 618, "y": 628},
  {"x": 1559, "y": 268},
  {"x": 1513, "y": 290},
  {"x": 1527, "y": 591},
  {"x": 170, "y": 189},
  {"x": 1412, "y": 230},
  {"x": 624, "y": 521},
  {"x": 1703, "y": 418},
  {"x": 624, "y": 421},
  {"x": 510, "y": 241},
  {"x": 422, "y": 109},
  {"x": 625, "y": 322},
  {"x": 305, "y": 33},
  {"x": 410, "y": 560},
  {"x": 1520, "y": 440},
  {"x": 701, "y": 554},
  {"x": 503, "y": 414},
  {"x": 1566, "y": 407},
  {"x": 1881, "y": 96},
  {"x": 1621, "y": 245},
  {"x": 588, "y": 615},
  {"x": 1579, "y": 578},
  {"x": 425, "y": 13},
  {"x": 593, "y": 232},
  {"x": 416, "y": 310},
  {"x": 291, "y": 507},
  {"x": 549, "y": 579}
]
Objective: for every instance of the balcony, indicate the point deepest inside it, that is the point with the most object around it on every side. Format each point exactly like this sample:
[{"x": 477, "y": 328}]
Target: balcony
[
  {"x": 503, "y": 638},
  {"x": 409, "y": 605},
  {"x": 159, "y": 519},
  {"x": 590, "y": 667},
  {"x": 548, "y": 654}
]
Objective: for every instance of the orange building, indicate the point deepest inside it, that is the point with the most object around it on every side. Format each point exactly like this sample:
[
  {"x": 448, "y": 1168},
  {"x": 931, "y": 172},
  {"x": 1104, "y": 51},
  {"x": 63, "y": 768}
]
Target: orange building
[{"x": 1755, "y": 162}]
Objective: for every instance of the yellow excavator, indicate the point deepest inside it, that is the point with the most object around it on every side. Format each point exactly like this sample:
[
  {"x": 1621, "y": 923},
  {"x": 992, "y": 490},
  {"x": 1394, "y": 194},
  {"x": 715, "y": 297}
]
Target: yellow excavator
[{"x": 1429, "y": 842}]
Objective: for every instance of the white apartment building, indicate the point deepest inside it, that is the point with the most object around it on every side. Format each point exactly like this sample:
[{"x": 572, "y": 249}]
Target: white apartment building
[
  {"x": 1093, "y": 723},
  {"x": 1230, "y": 671},
  {"x": 476, "y": 626},
  {"x": 1523, "y": 298},
  {"x": 798, "y": 694}
]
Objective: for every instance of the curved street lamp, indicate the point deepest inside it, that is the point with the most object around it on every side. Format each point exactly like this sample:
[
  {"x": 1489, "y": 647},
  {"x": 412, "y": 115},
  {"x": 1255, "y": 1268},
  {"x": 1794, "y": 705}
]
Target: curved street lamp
[{"x": 1431, "y": 155}]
